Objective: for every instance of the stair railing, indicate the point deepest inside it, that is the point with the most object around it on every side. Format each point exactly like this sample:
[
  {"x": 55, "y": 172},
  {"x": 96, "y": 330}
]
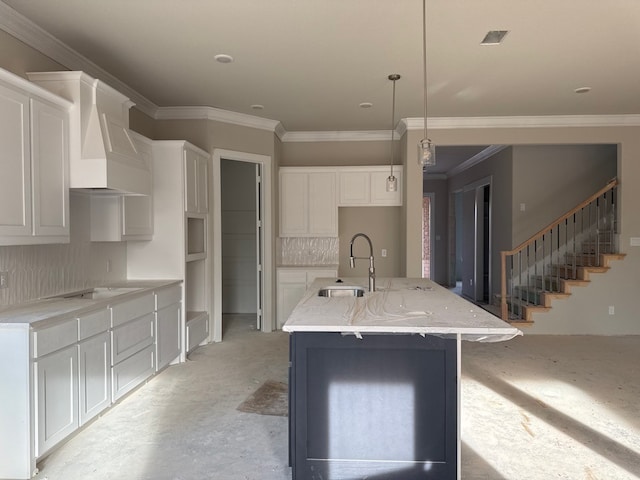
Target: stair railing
[{"x": 554, "y": 253}]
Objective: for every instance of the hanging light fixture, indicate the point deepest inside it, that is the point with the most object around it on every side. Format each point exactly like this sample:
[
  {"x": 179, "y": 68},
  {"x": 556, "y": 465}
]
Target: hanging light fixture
[
  {"x": 392, "y": 181},
  {"x": 426, "y": 149}
]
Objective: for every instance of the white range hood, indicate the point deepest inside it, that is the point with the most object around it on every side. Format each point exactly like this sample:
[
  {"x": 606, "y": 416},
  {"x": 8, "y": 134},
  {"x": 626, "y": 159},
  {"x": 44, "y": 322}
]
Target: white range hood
[{"x": 103, "y": 157}]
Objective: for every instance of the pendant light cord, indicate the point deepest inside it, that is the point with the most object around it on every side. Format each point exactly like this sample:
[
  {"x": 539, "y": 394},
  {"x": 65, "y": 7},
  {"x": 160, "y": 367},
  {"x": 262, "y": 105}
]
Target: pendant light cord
[
  {"x": 393, "y": 118},
  {"x": 424, "y": 60}
]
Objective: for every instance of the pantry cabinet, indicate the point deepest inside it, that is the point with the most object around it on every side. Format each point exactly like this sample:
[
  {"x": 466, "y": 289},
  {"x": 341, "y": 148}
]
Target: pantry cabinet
[
  {"x": 34, "y": 146},
  {"x": 308, "y": 202},
  {"x": 196, "y": 171}
]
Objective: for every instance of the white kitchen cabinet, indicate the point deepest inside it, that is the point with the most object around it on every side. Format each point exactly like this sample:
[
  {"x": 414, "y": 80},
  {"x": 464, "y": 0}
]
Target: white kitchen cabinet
[
  {"x": 116, "y": 218},
  {"x": 34, "y": 185},
  {"x": 308, "y": 205},
  {"x": 181, "y": 235},
  {"x": 94, "y": 365},
  {"x": 291, "y": 285},
  {"x": 196, "y": 168},
  {"x": 132, "y": 343},
  {"x": 168, "y": 326},
  {"x": 56, "y": 380},
  {"x": 367, "y": 186}
]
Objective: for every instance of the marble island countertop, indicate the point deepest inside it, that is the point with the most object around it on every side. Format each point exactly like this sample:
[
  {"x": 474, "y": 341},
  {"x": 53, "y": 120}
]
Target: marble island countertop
[
  {"x": 399, "y": 305},
  {"x": 62, "y": 305}
]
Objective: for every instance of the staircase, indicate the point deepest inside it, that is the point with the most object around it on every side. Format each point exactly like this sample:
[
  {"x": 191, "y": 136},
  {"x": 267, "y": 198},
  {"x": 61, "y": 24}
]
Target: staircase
[{"x": 559, "y": 257}]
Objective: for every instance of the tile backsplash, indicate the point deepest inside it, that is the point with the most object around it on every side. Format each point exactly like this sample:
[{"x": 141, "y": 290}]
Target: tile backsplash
[
  {"x": 36, "y": 271},
  {"x": 308, "y": 251}
]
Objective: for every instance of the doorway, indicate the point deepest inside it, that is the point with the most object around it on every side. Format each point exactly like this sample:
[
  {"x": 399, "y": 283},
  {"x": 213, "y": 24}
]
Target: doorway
[
  {"x": 242, "y": 272},
  {"x": 241, "y": 223},
  {"x": 472, "y": 240}
]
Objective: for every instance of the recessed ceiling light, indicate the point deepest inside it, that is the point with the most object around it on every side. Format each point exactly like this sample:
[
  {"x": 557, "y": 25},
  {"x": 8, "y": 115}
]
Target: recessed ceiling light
[
  {"x": 366, "y": 105},
  {"x": 223, "y": 58},
  {"x": 494, "y": 37},
  {"x": 257, "y": 107},
  {"x": 582, "y": 89}
]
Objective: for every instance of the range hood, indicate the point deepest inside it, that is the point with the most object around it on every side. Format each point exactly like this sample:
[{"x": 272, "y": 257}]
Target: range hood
[{"x": 103, "y": 156}]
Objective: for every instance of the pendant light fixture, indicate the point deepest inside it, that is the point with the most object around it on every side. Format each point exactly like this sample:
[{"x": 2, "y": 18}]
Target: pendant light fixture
[
  {"x": 392, "y": 181},
  {"x": 426, "y": 149}
]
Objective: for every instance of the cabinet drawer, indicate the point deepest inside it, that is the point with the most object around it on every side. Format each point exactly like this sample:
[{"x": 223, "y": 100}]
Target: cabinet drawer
[
  {"x": 130, "y": 373},
  {"x": 131, "y": 338},
  {"x": 54, "y": 338},
  {"x": 168, "y": 296},
  {"x": 125, "y": 311},
  {"x": 93, "y": 323}
]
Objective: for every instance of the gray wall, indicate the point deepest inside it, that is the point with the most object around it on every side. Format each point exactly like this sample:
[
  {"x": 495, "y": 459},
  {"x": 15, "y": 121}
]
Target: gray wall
[
  {"x": 552, "y": 179},
  {"x": 382, "y": 225}
]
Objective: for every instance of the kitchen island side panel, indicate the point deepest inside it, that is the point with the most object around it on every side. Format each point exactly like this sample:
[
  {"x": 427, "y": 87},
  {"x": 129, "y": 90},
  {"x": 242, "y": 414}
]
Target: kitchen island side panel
[{"x": 383, "y": 406}]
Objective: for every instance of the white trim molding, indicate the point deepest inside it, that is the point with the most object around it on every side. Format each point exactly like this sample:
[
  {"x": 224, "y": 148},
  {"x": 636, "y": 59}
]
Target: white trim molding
[
  {"x": 553, "y": 121},
  {"x": 217, "y": 114}
]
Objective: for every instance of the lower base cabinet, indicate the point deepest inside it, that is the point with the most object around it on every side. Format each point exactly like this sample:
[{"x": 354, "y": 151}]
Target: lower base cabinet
[
  {"x": 94, "y": 367},
  {"x": 131, "y": 372},
  {"x": 168, "y": 338},
  {"x": 56, "y": 397},
  {"x": 197, "y": 330}
]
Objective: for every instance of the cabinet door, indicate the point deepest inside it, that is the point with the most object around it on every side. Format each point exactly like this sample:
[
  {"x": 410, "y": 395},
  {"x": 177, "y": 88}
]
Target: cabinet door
[
  {"x": 289, "y": 294},
  {"x": 95, "y": 376},
  {"x": 354, "y": 188},
  {"x": 323, "y": 210},
  {"x": 57, "y": 397},
  {"x": 168, "y": 339},
  {"x": 379, "y": 194},
  {"x": 50, "y": 164},
  {"x": 294, "y": 204},
  {"x": 15, "y": 158},
  {"x": 191, "y": 181},
  {"x": 202, "y": 183}
]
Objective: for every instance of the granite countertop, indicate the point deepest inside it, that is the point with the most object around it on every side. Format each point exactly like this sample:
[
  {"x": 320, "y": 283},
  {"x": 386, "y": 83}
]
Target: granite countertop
[
  {"x": 399, "y": 305},
  {"x": 62, "y": 306}
]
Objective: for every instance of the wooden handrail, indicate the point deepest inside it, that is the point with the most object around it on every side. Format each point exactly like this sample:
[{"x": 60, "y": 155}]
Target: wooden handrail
[{"x": 503, "y": 254}]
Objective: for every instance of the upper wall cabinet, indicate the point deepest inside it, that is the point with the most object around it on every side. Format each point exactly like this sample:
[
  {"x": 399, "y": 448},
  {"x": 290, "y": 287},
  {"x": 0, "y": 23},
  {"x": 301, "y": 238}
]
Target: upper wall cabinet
[
  {"x": 116, "y": 218},
  {"x": 367, "y": 186},
  {"x": 34, "y": 164},
  {"x": 308, "y": 202},
  {"x": 196, "y": 165},
  {"x": 103, "y": 154}
]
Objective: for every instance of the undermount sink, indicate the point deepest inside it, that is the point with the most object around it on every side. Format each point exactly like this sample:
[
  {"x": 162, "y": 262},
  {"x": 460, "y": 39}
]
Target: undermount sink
[
  {"x": 98, "y": 293},
  {"x": 341, "y": 291}
]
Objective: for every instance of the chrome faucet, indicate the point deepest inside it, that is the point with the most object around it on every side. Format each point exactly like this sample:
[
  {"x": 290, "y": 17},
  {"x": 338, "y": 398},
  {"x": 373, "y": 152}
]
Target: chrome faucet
[{"x": 372, "y": 269}]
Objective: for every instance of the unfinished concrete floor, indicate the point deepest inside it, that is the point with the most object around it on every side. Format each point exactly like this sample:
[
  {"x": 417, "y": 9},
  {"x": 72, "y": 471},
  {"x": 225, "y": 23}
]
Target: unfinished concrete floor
[{"x": 533, "y": 408}]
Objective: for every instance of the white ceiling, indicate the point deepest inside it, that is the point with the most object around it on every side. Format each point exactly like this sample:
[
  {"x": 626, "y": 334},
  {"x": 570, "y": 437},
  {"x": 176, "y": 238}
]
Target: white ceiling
[{"x": 312, "y": 62}]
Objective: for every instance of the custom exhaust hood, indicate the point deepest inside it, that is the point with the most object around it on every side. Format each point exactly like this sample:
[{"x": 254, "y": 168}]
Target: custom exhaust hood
[{"x": 103, "y": 156}]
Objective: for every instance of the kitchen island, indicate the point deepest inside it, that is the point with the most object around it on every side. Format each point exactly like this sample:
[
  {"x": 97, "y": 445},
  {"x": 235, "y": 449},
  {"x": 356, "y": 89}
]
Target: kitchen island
[{"x": 374, "y": 380}]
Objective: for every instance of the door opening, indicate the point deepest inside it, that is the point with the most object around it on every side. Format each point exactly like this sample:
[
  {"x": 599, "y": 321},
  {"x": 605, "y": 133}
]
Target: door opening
[{"x": 241, "y": 239}]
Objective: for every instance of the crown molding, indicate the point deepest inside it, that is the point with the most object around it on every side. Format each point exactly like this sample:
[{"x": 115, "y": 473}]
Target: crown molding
[
  {"x": 476, "y": 159},
  {"x": 217, "y": 114},
  {"x": 341, "y": 136},
  {"x": 554, "y": 121},
  {"x": 28, "y": 32}
]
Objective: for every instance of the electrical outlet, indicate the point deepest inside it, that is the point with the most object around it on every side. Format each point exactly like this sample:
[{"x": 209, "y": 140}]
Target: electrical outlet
[
  {"x": 4, "y": 279},
  {"x": 384, "y": 252},
  {"x": 108, "y": 265},
  {"x": 612, "y": 310}
]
